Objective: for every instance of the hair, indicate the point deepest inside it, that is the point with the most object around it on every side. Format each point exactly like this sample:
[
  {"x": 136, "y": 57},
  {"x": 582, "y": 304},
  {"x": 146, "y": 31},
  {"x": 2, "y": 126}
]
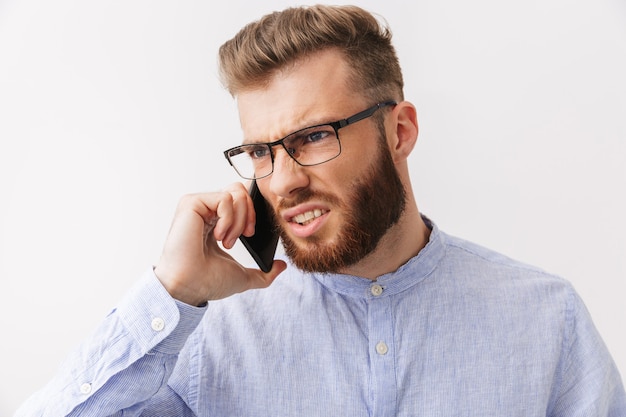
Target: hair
[{"x": 279, "y": 39}]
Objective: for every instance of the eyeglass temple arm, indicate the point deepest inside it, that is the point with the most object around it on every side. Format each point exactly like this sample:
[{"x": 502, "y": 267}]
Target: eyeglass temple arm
[{"x": 365, "y": 113}]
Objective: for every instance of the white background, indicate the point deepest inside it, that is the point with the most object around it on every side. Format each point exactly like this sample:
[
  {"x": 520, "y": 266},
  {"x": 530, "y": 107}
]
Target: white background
[{"x": 109, "y": 111}]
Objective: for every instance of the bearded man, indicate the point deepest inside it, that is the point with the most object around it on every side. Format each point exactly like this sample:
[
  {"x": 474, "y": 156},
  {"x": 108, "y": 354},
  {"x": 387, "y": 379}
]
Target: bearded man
[{"x": 373, "y": 311}]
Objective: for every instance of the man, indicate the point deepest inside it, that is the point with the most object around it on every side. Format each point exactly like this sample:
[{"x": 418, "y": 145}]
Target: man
[{"x": 374, "y": 311}]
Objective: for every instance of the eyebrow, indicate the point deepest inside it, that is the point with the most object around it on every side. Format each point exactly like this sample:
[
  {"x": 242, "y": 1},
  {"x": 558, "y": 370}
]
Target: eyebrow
[{"x": 322, "y": 121}]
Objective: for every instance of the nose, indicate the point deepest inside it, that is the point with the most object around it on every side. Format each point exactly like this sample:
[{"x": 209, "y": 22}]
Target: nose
[{"x": 288, "y": 176}]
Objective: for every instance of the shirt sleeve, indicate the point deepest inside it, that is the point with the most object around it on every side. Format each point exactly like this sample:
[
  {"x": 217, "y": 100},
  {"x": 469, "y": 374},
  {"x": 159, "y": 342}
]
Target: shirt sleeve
[
  {"x": 126, "y": 363},
  {"x": 588, "y": 383}
]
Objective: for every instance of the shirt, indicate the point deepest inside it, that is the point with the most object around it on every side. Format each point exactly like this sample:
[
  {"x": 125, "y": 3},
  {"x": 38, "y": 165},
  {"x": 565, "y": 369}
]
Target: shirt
[{"x": 458, "y": 330}]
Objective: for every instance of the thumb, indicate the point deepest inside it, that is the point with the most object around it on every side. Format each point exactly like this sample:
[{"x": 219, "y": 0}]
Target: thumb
[{"x": 259, "y": 279}]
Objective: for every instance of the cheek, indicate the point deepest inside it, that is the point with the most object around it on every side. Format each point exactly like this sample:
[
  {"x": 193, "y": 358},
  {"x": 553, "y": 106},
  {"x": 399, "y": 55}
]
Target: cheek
[
  {"x": 351, "y": 162},
  {"x": 358, "y": 151}
]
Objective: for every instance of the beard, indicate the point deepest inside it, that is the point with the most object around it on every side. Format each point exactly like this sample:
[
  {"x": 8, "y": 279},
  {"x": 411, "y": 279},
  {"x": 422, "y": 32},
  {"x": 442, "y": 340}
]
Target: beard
[{"x": 376, "y": 203}]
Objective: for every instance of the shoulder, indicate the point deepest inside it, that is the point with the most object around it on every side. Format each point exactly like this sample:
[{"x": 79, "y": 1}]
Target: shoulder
[
  {"x": 486, "y": 276},
  {"x": 471, "y": 256}
]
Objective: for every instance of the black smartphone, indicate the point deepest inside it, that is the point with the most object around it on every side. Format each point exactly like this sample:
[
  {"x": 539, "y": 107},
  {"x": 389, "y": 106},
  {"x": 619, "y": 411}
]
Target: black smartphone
[{"x": 262, "y": 245}]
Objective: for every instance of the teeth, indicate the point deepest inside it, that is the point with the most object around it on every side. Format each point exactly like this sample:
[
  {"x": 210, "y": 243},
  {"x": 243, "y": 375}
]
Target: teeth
[{"x": 308, "y": 216}]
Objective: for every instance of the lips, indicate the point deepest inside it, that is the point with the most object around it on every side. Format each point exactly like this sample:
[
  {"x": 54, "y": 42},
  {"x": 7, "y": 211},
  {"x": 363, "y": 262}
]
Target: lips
[{"x": 306, "y": 219}]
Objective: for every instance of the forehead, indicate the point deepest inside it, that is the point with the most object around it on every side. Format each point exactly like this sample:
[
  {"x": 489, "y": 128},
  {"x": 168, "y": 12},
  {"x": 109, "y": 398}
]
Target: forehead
[{"x": 315, "y": 89}]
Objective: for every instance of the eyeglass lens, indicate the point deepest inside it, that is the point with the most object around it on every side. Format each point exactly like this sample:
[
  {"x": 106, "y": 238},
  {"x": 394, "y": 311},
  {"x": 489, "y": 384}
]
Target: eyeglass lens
[{"x": 310, "y": 146}]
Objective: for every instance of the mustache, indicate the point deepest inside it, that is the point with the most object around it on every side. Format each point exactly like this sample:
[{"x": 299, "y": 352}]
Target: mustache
[{"x": 306, "y": 195}]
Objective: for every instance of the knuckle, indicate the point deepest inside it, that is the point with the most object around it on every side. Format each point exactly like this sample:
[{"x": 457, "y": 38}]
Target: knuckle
[
  {"x": 235, "y": 187},
  {"x": 226, "y": 197}
]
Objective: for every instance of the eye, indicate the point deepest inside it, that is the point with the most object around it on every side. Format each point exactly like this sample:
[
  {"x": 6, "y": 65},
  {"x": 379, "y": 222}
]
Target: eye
[
  {"x": 258, "y": 151},
  {"x": 317, "y": 134}
]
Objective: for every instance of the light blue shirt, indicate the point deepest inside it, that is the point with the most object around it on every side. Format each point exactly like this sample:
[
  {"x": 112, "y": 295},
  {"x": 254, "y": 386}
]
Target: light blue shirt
[{"x": 457, "y": 331}]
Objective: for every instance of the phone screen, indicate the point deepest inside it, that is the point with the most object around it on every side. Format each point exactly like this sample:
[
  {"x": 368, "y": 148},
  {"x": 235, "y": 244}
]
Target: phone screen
[{"x": 262, "y": 245}]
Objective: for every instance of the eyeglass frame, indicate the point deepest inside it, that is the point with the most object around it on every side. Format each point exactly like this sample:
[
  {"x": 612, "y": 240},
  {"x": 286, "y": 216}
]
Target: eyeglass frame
[{"x": 364, "y": 114}]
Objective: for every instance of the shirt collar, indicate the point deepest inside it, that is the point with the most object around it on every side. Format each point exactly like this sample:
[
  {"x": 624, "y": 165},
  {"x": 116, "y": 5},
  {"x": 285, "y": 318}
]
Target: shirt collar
[{"x": 412, "y": 272}]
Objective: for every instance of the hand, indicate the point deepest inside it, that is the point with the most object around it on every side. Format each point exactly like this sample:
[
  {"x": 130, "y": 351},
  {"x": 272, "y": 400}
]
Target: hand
[{"x": 193, "y": 268}]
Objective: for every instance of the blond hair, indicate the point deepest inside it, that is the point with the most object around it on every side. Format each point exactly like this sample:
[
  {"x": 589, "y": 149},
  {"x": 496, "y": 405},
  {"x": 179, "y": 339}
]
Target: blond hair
[{"x": 262, "y": 48}]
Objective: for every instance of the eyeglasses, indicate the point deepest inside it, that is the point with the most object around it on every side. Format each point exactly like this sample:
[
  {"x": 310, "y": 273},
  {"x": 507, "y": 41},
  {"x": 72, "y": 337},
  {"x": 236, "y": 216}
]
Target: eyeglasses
[{"x": 310, "y": 146}]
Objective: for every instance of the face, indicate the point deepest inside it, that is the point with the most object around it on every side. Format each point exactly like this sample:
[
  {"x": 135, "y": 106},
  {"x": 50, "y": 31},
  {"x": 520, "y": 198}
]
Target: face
[
  {"x": 372, "y": 205},
  {"x": 333, "y": 215}
]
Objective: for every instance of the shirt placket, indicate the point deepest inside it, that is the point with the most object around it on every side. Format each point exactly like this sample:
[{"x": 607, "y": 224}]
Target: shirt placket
[{"x": 382, "y": 352}]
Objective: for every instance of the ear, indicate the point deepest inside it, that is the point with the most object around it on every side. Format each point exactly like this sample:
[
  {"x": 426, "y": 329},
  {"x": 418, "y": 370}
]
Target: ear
[{"x": 403, "y": 137}]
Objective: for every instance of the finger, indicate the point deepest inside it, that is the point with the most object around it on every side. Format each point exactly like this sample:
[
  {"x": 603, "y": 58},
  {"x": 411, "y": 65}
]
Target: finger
[
  {"x": 223, "y": 208},
  {"x": 201, "y": 204},
  {"x": 240, "y": 189},
  {"x": 251, "y": 218},
  {"x": 245, "y": 213},
  {"x": 215, "y": 210},
  {"x": 238, "y": 221}
]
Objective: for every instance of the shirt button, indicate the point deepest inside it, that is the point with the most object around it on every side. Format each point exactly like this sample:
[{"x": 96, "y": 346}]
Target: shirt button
[
  {"x": 381, "y": 348},
  {"x": 157, "y": 324},
  {"x": 376, "y": 290},
  {"x": 85, "y": 388}
]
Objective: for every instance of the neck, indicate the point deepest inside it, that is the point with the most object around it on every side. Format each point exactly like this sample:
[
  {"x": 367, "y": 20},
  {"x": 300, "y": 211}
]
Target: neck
[{"x": 402, "y": 242}]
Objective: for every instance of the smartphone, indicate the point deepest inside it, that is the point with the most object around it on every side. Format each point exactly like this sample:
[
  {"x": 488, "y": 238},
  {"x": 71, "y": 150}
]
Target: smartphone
[{"x": 262, "y": 245}]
